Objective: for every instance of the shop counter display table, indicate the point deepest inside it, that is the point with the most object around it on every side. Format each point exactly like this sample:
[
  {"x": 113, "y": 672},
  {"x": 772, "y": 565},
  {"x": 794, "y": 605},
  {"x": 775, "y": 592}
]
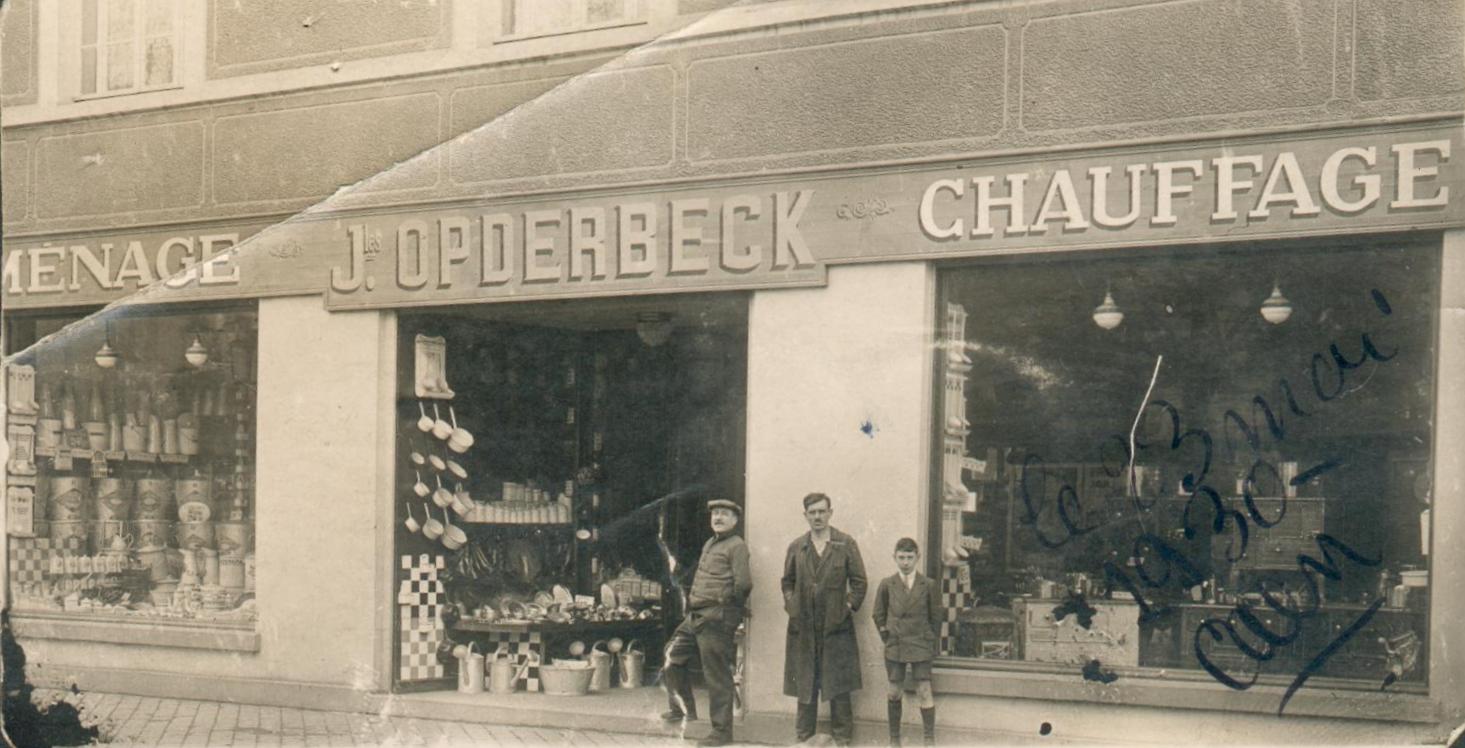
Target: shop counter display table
[
  {"x": 1392, "y": 641},
  {"x": 523, "y": 639},
  {"x": 1112, "y": 636}
]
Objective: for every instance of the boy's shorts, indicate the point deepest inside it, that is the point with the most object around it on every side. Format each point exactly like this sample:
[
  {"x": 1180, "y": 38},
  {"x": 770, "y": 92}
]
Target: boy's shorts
[{"x": 896, "y": 670}]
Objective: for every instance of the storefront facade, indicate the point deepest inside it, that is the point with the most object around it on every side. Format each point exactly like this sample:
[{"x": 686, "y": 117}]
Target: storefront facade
[{"x": 951, "y": 306}]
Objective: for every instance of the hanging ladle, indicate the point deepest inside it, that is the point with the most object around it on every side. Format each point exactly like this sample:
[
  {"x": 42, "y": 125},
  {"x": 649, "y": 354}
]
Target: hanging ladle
[
  {"x": 424, "y": 424},
  {"x": 457, "y": 470},
  {"x": 462, "y": 502},
  {"x": 459, "y": 439},
  {"x": 440, "y": 428},
  {"x": 411, "y": 522},
  {"x": 431, "y": 529},
  {"x": 442, "y": 496},
  {"x": 453, "y": 537},
  {"x": 419, "y": 487}
]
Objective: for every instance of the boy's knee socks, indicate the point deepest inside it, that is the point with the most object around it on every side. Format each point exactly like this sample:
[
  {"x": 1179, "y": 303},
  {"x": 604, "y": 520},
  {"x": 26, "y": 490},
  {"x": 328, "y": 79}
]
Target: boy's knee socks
[{"x": 893, "y": 707}]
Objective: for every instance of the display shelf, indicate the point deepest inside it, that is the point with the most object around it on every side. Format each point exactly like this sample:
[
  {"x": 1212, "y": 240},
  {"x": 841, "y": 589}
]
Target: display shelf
[
  {"x": 141, "y": 457},
  {"x": 527, "y": 525},
  {"x": 548, "y": 628}
]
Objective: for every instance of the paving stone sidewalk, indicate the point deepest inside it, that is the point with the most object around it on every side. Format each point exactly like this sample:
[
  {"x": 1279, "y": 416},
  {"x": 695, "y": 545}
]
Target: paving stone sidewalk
[{"x": 139, "y": 720}]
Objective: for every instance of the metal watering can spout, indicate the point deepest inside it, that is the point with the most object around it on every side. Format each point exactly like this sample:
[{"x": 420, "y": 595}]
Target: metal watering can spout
[{"x": 503, "y": 677}]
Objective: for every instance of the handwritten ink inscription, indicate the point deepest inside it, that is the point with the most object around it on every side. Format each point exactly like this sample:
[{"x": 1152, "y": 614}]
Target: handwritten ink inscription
[{"x": 1059, "y": 518}]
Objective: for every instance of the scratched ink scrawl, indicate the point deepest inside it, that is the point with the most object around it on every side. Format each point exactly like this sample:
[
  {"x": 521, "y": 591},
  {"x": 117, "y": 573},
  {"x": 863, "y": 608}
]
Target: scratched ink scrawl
[{"x": 611, "y": 371}]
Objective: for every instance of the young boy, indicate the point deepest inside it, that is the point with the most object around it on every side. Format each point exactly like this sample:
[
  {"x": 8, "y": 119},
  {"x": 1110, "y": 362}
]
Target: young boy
[{"x": 908, "y": 613}]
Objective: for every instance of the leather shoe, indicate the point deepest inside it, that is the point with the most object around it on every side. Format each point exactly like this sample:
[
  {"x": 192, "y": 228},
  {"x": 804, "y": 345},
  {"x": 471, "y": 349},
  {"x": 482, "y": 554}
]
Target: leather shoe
[
  {"x": 676, "y": 716},
  {"x": 711, "y": 741}
]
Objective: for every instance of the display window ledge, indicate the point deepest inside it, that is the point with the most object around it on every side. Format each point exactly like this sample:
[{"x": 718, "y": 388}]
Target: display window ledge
[
  {"x": 1150, "y": 687},
  {"x": 120, "y": 630}
]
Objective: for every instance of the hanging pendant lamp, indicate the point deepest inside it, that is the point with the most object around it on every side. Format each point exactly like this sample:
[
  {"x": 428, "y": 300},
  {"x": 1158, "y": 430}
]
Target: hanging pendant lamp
[
  {"x": 1276, "y": 309},
  {"x": 107, "y": 357},
  {"x": 197, "y": 354},
  {"x": 1108, "y": 315}
]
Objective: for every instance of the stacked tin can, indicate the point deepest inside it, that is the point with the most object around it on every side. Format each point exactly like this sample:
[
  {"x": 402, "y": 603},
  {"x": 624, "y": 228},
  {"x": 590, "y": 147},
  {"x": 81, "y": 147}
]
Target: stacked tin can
[
  {"x": 195, "y": 529},
  {"x": 111, "y": 510},
  {"x": 69, "y": 497},
  {"x": 152, "y": 524}
]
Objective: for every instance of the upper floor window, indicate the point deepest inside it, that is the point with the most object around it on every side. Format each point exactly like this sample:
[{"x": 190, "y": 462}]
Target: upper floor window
[
  {"x": 547, "y": 17},
  {"x": 128, "y": 45}
]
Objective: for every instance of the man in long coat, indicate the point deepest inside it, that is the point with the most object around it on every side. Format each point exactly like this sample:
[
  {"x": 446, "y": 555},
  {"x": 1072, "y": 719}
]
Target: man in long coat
[{"x": 823, "y": 585}]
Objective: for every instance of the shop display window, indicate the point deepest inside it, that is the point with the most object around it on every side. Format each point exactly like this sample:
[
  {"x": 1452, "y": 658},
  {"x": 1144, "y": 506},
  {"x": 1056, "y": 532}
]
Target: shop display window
[
  {"x": 1200, "y": 464},
  {"x": 130, "y": 485},
  {"x": 558, "y": 459}
]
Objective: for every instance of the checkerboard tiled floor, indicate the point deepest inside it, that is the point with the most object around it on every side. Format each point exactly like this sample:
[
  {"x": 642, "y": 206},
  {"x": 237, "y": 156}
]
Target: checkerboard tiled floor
[{"x": 137, "y": 720}]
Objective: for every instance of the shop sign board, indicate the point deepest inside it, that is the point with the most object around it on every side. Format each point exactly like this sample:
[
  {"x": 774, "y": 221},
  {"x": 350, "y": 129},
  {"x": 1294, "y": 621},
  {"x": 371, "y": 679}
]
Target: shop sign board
[
  {"x": 173, "y": 264},
  {"x": 1247, "y": 190},
  {"x": 788, "y": 233},
  {"x": 773, "y": 233},
  {"x": 660, "y": 243}
]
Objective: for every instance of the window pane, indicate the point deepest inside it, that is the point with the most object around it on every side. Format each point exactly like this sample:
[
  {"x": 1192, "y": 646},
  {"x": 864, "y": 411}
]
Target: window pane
[
  {"x": 160, "y": 61},
  {"x": 89, "y": 21},
  {"x": 159, "y": 17},
  {"x": 1042, "y": 388},
  {"x": 544, "y": 16},
  {"x": 119, "y": 20},
  {"x": 119, "y": 66},
  {"x": 89, "y": 70},
  {"x": 605, "y": 11}
]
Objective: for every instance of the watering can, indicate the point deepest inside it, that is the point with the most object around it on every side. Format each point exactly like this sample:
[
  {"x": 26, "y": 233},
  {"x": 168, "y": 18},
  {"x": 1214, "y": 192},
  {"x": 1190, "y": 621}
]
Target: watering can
[
  {"x": 602, "y": 661},
  {"x": 503, "y": 678},
  {"x": 470, "y": 671},
  {"x": 633, "y": 663}
]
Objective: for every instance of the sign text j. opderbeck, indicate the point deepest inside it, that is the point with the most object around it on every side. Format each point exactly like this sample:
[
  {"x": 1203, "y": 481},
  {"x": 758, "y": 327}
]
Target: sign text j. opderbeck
[{"x": 746, "y": 239}]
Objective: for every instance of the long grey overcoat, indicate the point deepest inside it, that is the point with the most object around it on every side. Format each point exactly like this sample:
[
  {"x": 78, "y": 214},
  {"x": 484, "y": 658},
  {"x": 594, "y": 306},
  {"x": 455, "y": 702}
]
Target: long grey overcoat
[{"x": 835, "y": 585}]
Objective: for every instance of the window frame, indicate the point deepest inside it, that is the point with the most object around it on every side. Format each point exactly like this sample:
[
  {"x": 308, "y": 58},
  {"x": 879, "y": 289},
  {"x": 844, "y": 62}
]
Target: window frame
[
  {"x": 139, "y": 40},
  {"x": 1151, "y": 685},
  {"x": 636, "y": 15},
  {"x": 22, "y": 342}
]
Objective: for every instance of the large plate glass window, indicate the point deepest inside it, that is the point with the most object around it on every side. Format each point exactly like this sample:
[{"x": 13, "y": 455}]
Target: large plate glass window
[
  {"x": 1201, "y": 464},
  {"x": 131, "y": 496}
]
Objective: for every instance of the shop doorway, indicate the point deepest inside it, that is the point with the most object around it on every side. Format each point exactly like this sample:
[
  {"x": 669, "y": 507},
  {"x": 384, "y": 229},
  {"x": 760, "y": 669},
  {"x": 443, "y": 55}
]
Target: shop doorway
[{"x": 599, "y": 429}]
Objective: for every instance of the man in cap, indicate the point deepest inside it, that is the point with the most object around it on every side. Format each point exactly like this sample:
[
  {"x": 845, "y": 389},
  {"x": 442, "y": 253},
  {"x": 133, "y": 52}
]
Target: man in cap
[{"x": 716, "y": 605}]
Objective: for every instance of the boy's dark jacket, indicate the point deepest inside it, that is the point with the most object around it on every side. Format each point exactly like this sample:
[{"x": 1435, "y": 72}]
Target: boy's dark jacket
[{"x": 909, "y": 620}]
